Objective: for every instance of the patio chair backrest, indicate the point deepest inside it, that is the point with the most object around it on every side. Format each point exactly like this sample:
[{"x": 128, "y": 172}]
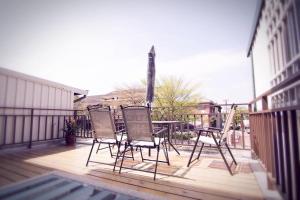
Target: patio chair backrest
[
  {"x": 102, "y": 122},
  {"x": 228, "y": 122},
  {"x": 138, "y": 124}
]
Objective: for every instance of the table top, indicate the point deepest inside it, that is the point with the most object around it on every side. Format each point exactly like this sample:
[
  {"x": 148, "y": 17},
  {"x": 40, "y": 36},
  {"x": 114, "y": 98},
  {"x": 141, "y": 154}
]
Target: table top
[
  {"x": 156, "y": 122},
  {"x": 165, "y": 122}
]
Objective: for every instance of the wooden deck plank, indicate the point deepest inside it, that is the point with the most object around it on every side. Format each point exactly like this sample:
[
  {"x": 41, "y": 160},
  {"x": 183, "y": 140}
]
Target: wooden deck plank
[
  {"x": 228, "y": 186},
  {"x": 170, "y": 189},
  {"x": 11, "y": 176},
  {"x": 192, "y": 185},
  {"x": 26, "y": 166},
  {"x": 177, "y": 182},
  {"x": 162, "y": 194},
  {"x": 226, "y": 179},
  {"x": 4, "y": 181},
  {"x": 17, "y": 169}
]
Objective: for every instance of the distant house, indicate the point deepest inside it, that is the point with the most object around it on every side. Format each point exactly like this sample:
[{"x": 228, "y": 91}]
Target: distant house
[
  {"x": 133, "y": 96},
  {"x": 207, "y": 106},
  {"x": 33, "y": 109}
]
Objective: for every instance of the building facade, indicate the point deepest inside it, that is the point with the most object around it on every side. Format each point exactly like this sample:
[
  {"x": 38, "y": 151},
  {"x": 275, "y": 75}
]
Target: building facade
[
  {"x": 274, "y": 50},
  {"x": 33, "y": 109},
  {"x": 274, "y": 113}
]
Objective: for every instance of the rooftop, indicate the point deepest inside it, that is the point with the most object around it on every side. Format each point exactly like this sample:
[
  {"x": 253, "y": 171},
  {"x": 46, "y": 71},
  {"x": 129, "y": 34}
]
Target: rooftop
[{"x": 207, "y": 178}]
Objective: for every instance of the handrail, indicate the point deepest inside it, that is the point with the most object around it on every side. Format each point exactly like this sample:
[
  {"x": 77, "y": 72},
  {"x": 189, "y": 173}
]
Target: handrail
[
  {"x": 29, "y": 108},
  {"x": 292, "y": 79}
]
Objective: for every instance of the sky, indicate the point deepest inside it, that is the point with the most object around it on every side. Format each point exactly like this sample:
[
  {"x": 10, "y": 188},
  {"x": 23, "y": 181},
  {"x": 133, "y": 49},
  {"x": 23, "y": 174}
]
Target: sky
[{"x": 101, "y": 45}]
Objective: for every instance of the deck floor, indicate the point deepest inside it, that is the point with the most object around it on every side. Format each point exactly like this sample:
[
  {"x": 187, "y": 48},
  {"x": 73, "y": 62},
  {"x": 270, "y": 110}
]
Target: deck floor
[{"x": 206, "y": 178}]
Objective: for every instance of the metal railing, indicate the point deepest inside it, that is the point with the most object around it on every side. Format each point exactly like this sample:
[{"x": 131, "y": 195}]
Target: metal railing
[
  {"x": 182, "y": 133},
  {"x": 275, "y": 140},
  {"x": 28, "y": 125}
]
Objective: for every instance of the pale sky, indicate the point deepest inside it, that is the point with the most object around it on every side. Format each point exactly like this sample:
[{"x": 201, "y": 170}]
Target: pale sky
[{"x": 101, "y": 45}]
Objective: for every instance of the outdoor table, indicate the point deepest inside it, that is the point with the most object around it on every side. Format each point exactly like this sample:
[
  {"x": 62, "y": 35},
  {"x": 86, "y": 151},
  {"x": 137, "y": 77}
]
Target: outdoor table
[{"x": 170, "y": 125}]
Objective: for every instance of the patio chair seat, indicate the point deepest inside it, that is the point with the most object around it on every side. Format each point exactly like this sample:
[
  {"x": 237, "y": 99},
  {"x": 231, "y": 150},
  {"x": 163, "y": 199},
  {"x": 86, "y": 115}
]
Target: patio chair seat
[
  {"x": 215, "y": 137},
  {"x": 140, "y": 134},
  {"x": 206, "y": 140},
  {"x": 104, "y": 130},
  {"x": 113, "y": 140},
  {"x": 147, "y": 143}
]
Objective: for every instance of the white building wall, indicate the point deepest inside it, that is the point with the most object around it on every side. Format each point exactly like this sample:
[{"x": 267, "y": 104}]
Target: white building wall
[
  {"x": 22, "y": 91},
  {"x": 261, "y": 61},
  {"x": 276, "y": 51}
]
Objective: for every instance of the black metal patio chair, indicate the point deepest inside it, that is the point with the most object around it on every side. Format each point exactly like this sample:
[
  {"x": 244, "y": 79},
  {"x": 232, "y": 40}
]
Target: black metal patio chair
[
  {"x": 104, "y": 130},
  {"x": 140, "y": 134},
  {"x": 215, "y": 137}
]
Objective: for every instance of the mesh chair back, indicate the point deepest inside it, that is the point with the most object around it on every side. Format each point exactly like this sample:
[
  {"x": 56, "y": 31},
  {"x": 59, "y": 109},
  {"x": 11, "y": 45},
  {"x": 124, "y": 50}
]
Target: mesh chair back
[
  {"x": 102, "y": 122},
  {"x": 138, "y": 124},
  {"x": 228, "y": 122}
]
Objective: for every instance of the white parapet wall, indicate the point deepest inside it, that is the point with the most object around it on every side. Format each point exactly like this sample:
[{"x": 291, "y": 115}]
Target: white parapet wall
[{"x": 19, "y": 93}]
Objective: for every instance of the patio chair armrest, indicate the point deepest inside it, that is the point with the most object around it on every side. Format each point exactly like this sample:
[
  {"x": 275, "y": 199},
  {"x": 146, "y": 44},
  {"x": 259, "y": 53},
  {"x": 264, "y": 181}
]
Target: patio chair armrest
[
  {"x": 121, "y": 131},
  {"x": 215, "y": 129},
  {"x": 207, "y": 132},
  {"x": 161, "y": 132},
  {"x": 200, "y": 130}
]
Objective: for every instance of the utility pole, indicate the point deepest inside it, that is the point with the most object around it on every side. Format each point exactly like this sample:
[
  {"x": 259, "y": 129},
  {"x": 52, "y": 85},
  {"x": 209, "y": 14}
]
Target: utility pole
[{"x": 226, "y": 100}]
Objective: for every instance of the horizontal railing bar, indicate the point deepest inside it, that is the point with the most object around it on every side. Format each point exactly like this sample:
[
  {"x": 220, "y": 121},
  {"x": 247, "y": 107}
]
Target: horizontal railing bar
[
  {"x": 28, "y": 108},
  {"x": 293, "y": 78},
  {"x": 276, "y": 110}
]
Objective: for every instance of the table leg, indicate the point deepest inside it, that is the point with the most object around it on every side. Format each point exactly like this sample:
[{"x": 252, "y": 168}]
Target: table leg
[{"x": 169, "y": 141}]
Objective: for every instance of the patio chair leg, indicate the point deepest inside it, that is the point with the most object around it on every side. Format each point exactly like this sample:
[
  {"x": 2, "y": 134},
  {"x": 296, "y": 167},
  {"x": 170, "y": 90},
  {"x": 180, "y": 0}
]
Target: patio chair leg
[
  {"x": 165, "y": 149},
  {"x": 123, "y": 158},
  {"x": 98, "y": 147},
  {"x": 149, "y": 152},
  {"x": 228, "y": 167},
  {"x": 156, "y": 162},
  {"x": 141, "y": 154},
  {"x": 230, "y": 153},
  {"x": 110, "y": 150},
  {"x": 200, "y": 151},
  {"x": 192, "y": 154},
  {"x": 117, "y": 156},
  {"x": 87, "y": 162},
  {"x": 132, "y": 152}
]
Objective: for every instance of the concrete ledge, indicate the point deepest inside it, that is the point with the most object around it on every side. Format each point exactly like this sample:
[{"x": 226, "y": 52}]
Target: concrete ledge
[{"x": 262, "y": 179}]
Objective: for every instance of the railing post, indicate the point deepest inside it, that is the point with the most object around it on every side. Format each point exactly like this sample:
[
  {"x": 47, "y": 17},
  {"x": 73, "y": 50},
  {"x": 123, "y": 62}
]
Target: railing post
[
  {"x": 75, "y": 114},
  {"x": 264, "y": 102},
  {"x": 243, "y": 130},
  {"x": 31, "y": 125},
  {"x": 249, "y": 108},
  {"x": 252, "y": 125}
]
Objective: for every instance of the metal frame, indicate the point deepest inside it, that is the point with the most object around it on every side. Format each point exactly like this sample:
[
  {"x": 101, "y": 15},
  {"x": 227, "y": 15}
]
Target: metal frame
[
  {"x": 129, "y": 143},
  {"x": 222, "y": 134},
  {"x": 218, "y": 145},
  {"x": 116, "y": 142},
  {"x": 42, "y": 124}
]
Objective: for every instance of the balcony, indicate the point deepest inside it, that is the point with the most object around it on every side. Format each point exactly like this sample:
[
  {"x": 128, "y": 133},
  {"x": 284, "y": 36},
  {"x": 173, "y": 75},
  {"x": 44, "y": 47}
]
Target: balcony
[{"x": 207, "y": 178}]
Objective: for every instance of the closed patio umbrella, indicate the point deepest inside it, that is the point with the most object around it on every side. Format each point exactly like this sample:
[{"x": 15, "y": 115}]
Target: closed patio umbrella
[{"x": 150, "y": 76}]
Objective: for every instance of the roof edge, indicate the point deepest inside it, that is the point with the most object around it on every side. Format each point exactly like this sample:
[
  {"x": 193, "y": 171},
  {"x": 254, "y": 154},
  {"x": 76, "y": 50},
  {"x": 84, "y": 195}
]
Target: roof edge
[
  {"x": 258, "y": 13},
  {"x": 41, "y": 80}
]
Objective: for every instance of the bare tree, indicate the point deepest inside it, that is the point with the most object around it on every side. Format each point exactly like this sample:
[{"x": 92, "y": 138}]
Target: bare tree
[{"x": 132, "y": 94}]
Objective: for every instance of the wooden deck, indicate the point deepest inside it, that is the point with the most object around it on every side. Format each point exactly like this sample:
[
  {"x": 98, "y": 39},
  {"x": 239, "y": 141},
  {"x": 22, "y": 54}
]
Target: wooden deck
[{"x": 205, "y": 179}]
